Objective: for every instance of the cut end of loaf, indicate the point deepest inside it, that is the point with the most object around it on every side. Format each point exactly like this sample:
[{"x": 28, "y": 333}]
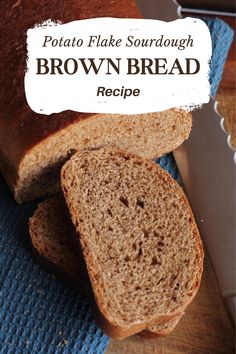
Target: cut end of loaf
[
  {"x": 50, "y": 236},
  {"x": 146, "y": 135},
  {"x": 140, "y": 242}
]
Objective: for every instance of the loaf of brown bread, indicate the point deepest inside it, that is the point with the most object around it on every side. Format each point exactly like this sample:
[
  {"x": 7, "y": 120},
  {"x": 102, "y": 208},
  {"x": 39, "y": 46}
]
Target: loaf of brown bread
[
  {"x": 33, "y": 147},
  {"x": 53, "y": 243},
  {"x": 138, "y": 236}
]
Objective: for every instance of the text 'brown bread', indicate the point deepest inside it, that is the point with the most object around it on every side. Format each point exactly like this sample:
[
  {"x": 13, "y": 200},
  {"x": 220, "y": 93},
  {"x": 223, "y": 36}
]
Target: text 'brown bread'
[
  {"x": 33, "y": 147},
  {"x": 139, "y": 239}
]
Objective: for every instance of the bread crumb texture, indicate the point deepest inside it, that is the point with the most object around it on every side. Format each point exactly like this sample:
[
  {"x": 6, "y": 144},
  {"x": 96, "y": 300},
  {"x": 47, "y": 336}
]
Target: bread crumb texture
[
  {"x": 138, "y": 235},
  {"x": 147, "y": 135}
]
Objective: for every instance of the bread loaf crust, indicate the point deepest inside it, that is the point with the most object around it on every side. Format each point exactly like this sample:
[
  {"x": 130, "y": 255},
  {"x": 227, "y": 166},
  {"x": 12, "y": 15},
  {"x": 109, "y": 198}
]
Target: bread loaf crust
[
  {"x": 33, "y": 147},
  {"x": 21, "y": 128}
]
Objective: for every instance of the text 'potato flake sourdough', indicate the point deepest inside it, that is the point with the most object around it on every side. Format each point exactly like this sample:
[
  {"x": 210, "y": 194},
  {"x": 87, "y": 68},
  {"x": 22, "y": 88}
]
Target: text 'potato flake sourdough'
[{"x": 33, "y": 147}]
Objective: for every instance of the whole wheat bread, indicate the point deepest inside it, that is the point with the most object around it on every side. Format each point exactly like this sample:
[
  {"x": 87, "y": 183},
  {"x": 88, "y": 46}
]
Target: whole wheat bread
[
  {"x": 33, "y": 147},
  {"x": 141, "y": 245},
  {"x": 161, "y": 329},
  {"x": 51, "y": 238},
  {"x": 53, "y": 243}
]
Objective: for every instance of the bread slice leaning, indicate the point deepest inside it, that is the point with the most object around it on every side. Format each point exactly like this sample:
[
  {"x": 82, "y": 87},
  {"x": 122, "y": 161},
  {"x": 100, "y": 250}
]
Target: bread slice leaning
[
  {"x": 51, "y": 239},
  {"x": 138, "y": 236},
  {"x": 54, "y": 246}
]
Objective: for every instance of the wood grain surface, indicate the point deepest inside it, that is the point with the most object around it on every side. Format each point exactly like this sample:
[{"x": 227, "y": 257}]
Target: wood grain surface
[{"x": 205, "y": 327}]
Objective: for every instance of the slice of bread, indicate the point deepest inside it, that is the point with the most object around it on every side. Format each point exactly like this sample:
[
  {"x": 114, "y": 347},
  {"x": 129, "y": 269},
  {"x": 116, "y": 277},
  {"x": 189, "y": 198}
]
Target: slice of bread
[
  {"x": 54, "y": 246},
  {"x": 161, "y": 329},
  {"x": 52, "y": 240},
  {"x": 138, "y": 236},
  {"x": 147, "y": 135}
]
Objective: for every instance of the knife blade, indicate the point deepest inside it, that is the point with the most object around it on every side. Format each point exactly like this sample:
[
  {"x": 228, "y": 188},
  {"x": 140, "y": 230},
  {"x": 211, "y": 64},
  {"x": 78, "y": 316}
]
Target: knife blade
[{"x": 207, "y": 167}]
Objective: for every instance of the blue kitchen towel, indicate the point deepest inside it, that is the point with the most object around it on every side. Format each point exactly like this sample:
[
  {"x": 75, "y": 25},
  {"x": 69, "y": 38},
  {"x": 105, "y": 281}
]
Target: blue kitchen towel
[
  {"x": 38, "y": 313},
  {"x": 222, "y": 37}
]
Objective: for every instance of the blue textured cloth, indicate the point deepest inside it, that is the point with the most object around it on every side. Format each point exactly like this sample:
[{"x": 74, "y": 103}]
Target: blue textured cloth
[
  {"x": 38, "y": 313},
  {"x": 222, "y": 36}
]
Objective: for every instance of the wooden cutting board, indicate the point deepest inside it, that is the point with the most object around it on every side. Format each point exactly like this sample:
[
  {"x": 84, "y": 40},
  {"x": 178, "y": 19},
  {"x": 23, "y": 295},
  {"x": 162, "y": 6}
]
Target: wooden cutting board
[{"x": 204, "y": 329}]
